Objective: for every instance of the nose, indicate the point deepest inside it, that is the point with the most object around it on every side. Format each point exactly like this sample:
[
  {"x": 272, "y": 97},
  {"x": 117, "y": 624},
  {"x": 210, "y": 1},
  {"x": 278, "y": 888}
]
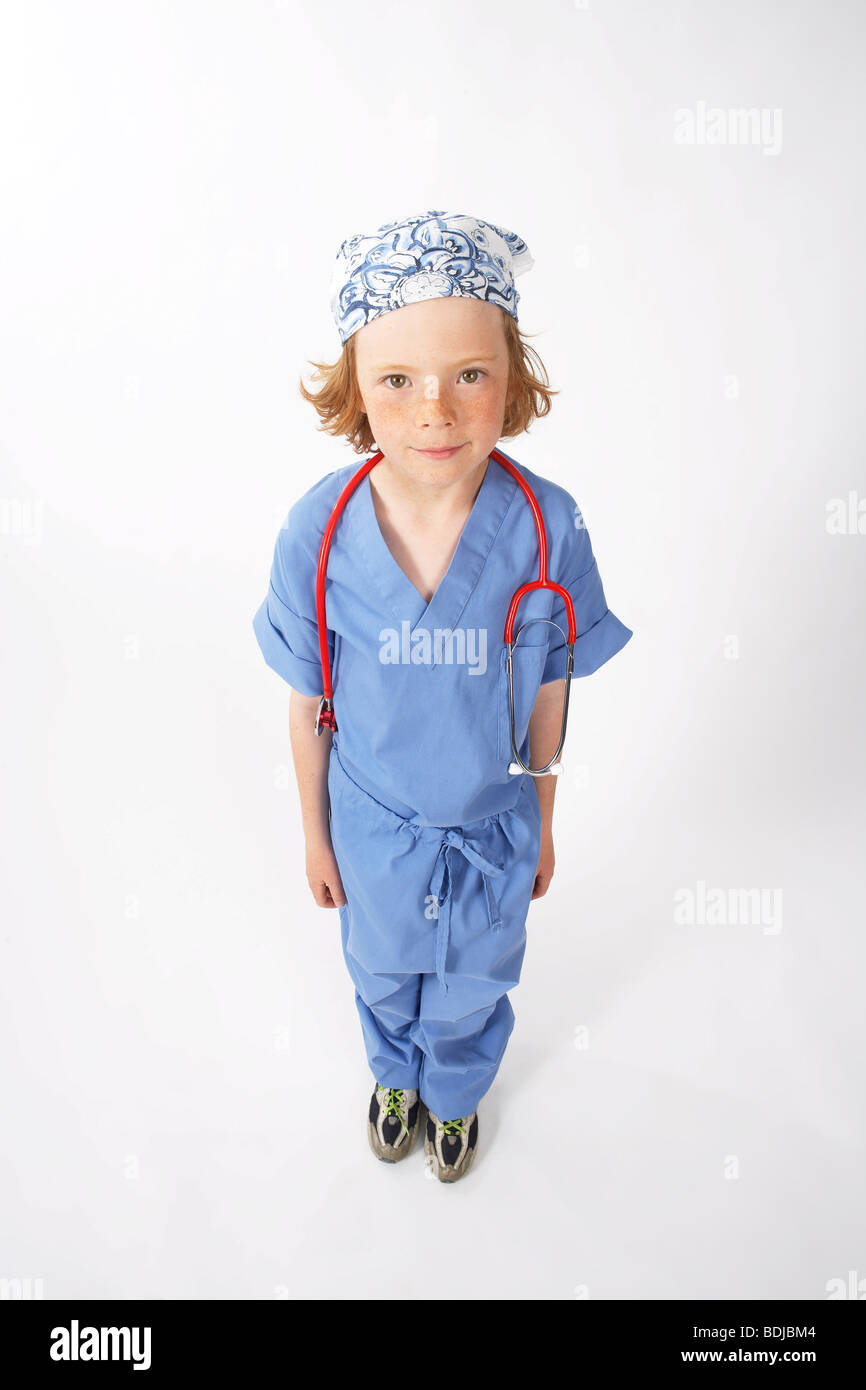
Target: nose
[{"x": 435, "y": 406}]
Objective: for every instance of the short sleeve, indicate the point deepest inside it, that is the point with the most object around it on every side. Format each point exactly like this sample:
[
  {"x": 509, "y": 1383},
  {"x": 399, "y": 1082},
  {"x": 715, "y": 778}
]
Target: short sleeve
[
  {"x": 600, "y": 634},
  {"x": 285, "y": 624}
]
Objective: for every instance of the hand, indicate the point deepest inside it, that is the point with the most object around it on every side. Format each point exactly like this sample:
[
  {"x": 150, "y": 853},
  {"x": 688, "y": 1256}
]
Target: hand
[
  {"x": 323, "y": 875},
  {"x": 546, "y": 861}
]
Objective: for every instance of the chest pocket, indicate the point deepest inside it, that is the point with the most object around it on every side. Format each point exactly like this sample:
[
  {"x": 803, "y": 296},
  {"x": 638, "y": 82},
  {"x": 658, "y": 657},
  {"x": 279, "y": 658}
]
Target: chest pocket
[{"x": 529, "y": 659}]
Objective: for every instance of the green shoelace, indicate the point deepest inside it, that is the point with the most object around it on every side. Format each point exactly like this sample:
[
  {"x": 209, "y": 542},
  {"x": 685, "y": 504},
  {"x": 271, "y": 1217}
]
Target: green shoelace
[{"x": 393, "y": 1105}]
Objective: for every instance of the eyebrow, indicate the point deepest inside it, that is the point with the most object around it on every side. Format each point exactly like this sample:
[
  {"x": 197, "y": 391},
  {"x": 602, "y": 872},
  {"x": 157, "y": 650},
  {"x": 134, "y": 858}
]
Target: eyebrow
[{"x": 401, "y": 367}]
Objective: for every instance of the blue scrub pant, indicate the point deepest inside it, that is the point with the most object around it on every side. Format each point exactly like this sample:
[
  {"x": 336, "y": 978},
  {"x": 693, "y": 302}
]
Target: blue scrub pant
[{"x": 433, "y": 933}]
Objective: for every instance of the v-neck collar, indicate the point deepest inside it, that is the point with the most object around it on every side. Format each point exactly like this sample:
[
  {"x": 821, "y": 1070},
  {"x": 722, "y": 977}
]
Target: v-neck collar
[{"x": 480, "y": 529}]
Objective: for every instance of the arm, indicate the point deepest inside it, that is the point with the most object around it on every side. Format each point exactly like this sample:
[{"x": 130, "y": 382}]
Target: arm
[
  {"x": 544, "y": 727},
  {"x": 311, "y": 753}
]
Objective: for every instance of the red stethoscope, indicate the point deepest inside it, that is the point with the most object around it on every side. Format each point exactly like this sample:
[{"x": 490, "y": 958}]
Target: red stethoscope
[{"x": 325, "y": 717}]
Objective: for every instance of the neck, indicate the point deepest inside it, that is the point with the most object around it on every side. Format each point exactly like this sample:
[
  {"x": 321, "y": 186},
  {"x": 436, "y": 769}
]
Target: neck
[{"x": 427, "y": 494}]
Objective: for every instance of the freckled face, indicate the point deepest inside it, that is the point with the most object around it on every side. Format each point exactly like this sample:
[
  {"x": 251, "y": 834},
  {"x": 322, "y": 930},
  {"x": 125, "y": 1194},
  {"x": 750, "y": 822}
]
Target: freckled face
[{"x": 434, "y": 375}]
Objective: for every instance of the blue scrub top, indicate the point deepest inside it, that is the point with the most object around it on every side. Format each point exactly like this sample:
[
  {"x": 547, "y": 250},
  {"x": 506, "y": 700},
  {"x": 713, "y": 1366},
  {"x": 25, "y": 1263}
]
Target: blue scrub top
[{"x": 420, "y": 690}]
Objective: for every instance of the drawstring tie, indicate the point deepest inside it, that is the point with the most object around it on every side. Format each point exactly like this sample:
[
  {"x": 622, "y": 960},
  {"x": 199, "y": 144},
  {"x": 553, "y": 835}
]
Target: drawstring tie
[{"x": 440, "y": 888}]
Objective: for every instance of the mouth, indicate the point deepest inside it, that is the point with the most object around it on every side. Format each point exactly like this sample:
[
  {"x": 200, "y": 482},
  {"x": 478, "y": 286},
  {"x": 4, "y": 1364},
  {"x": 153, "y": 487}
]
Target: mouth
[{"x": 440, "y": 453}]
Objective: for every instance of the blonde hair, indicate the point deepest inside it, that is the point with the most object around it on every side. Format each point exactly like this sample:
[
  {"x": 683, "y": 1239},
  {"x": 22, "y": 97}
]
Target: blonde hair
[{"x": 340, "y": 405}]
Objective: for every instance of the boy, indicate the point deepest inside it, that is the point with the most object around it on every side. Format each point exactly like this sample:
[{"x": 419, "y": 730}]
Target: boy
[{"x": 416, "y": 827}]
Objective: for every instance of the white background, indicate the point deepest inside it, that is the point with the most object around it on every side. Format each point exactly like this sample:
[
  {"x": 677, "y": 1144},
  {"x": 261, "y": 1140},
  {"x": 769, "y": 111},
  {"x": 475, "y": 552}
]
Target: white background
[{"x": 184, "y": 1085}]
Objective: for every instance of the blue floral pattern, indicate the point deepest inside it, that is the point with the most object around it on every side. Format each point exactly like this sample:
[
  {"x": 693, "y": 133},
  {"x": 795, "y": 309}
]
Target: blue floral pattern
[{"x": 429, "y": 256}]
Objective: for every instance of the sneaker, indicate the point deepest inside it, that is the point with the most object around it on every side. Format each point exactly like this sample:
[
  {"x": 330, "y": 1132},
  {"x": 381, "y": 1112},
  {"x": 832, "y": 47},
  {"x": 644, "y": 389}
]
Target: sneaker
[
  {"x": 450, "y": 1145},
  {"x": 392, "y": 1122}
]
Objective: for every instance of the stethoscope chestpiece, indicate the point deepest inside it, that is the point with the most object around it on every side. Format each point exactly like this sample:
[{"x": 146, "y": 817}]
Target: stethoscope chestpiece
[
  {"x": 553, "y": 767},
  {"x": 325, "y": 718}
]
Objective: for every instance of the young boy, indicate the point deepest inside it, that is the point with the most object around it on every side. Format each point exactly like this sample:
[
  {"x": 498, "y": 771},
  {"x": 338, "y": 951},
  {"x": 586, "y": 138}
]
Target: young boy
[{"x": 420, "y": 826}]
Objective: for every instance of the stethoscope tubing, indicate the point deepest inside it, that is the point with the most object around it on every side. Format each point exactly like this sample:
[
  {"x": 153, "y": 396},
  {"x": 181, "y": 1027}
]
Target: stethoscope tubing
[{"x": 325, "y": 717}]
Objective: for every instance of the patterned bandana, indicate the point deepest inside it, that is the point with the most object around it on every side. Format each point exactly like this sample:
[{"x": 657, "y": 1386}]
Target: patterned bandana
[{"x": 430, "y": 256}]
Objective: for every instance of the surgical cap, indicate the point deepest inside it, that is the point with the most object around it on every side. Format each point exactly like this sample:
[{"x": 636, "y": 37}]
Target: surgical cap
[{"x": 429, "y": 256}]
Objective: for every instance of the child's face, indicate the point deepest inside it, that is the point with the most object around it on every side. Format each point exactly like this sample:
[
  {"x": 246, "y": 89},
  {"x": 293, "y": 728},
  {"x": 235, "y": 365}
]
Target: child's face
[{"x": 434, "y": 375}]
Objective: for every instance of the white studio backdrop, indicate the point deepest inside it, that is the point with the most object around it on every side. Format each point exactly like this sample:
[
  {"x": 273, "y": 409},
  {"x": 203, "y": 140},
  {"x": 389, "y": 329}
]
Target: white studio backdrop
[{"x": 177, "y": 1025}]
